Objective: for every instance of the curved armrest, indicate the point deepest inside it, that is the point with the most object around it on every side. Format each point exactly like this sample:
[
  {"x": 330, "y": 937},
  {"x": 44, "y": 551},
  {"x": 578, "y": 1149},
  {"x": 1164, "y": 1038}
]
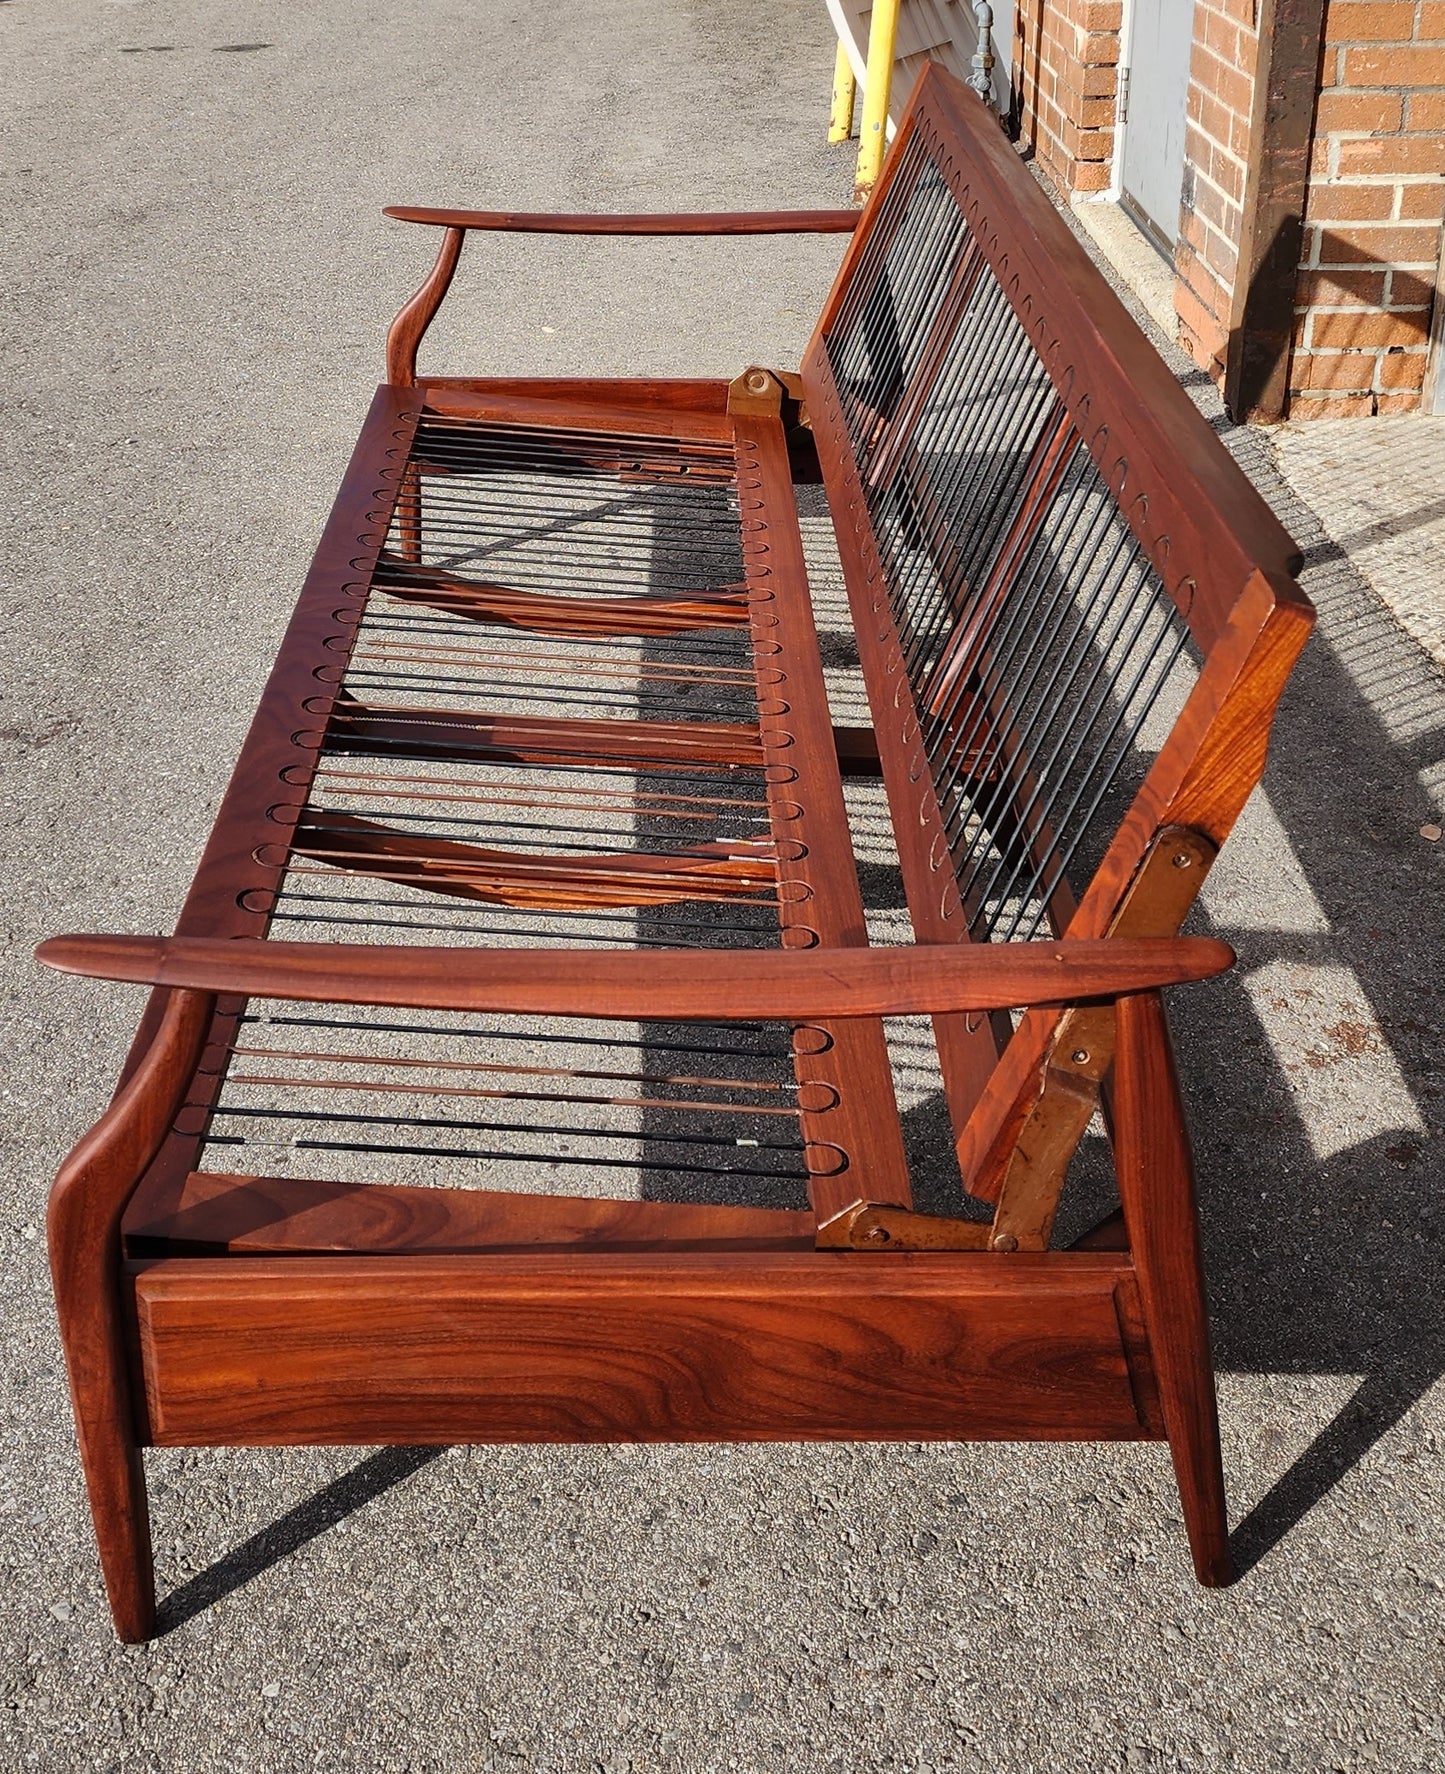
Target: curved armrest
[
  {"x": 414, "y": 319},
  {"x": 763, "y": 221},
  {"x": 652, "y": 984}
]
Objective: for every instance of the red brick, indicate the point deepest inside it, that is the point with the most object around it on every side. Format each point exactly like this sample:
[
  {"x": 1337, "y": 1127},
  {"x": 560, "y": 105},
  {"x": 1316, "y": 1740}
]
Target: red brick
[
  {"x": 1343, "y": 372},
  {"x": 1097, "y": 113},
  {"x": 1388, "y": 404},
  {"x": 1227, "y": 173},
  {"x": 1350, "y": 203},
  {"x": 1393, "y": 157},
  {"x": 1206, "y": 287},
  {"x": 1342, "y": 109},
  {"x": 1218, "y": 33},
  {"x": 1360, "y": 244},
  {"x": 1203, "y": 327},
  {"x": 1399, "y": 370},
  {"x": 1221, "y": 255},
  {"x": 1333, "y": 289},
  {"x": 1206, "y": 110},
  {"x": 1363, "y": 330},
  {"x": 1192, "y": 230},
  {"x": 1422, "y": 203},
  {"x": 1220, "y": 76},
  {"x": 1376, "y": 21},
  {"x": 1427, "y": 111},
  {"x": 1432, "y": 22},
  {"x": 1099, "y": 82},
  {"x": 1411, "y": 289},
  {"x": 1098, "y": 49},
  {"x": 1303, "y": 406},
  {"x": 1103, "y": 15},
  {"x": 1208, "y": 204},
  {"x": 1407, "y": 65}
]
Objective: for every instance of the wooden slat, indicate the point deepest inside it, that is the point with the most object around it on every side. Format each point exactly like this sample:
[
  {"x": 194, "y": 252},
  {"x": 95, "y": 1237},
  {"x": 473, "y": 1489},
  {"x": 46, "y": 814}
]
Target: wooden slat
[
  {"x": 495, "y": 404},
  {"x": 754, "y": 1347},
  {"x": 1200, "y": 779},
  {"x": 550, "y": 613},
  {"x": 297, "y": 1216},
  {"x": 284, "y": 734},
  {"x": 703, "y": 399},
  {"x": 717, "y": 872},
  {"x": 524, "y": 739}
]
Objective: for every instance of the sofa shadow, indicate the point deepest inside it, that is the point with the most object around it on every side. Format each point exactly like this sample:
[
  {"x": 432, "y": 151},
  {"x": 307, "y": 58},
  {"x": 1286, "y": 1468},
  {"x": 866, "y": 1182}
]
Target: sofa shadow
[{"x": 377, "y": 1474}]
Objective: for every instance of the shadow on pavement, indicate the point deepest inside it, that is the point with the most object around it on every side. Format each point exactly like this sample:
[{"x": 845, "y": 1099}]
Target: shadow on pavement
[{"x": 378, "y": 1473}]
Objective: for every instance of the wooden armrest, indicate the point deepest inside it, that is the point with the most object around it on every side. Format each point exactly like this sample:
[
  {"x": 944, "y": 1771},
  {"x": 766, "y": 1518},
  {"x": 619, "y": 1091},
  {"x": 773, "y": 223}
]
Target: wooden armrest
[
  {"x": 654, "y": 984},
  {"x": 765, "y": 221}
]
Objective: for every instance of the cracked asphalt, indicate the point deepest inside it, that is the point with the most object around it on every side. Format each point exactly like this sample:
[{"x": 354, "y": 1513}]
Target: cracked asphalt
[{"x": 196, "y": 283}]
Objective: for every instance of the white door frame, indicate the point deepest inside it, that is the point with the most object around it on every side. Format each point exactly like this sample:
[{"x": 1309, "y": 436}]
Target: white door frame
[{"x": 1114, "y": 190}]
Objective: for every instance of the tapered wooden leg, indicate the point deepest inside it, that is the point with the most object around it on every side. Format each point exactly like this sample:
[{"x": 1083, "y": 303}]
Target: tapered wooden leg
[
  {"x": 87, "y": 1298},
  {"x": 83, "y": 1228},
  {"x": 115, "y": 1479},
  {"x": 1156, "y": 1188}
]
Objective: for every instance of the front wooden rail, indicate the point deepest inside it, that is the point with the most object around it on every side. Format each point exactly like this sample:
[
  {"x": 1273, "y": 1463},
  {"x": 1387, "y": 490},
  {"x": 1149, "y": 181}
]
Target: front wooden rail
[
  {"x": 658, "y": 984},
  {"x": 762, "y": 221}
]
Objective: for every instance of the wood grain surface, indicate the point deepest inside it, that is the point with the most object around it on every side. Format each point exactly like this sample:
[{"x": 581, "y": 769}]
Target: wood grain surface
[
  {"x": 747, "y": 985},
  {"x": 775, "y": 221},
  {"x": 769, "y": 1347}
]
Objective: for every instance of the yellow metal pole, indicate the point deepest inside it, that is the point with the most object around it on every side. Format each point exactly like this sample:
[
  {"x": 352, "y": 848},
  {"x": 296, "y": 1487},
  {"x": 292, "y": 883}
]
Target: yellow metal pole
[
  {"x": 872, "y": 137},
  {"x": 845, "y": 88}
]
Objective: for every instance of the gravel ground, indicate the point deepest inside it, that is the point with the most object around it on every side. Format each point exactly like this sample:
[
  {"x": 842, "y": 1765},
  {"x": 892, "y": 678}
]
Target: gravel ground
[{"x": 196, "y": 284}]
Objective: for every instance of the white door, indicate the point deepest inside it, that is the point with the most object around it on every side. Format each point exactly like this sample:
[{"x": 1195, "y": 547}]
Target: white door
[
  {"x": 1152, "y": 174},
  {"x": 1003, "y": 45}
]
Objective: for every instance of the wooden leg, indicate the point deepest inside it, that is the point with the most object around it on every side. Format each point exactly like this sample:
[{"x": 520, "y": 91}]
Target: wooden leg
[
  {"x": 1156, "y": 1188},
  {"x": 83, "y": 1229},
  {"x": 115, "y": 1479},
  {"x": 87, "y": 1298}
]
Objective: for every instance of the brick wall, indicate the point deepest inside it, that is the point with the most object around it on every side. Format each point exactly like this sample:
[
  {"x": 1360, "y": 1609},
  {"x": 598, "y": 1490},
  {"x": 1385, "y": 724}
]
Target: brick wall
[
  {"x": 1373, "y": 211},
  {"x": 1216, "y": 149},
  {"x": 1065, "y": 58},
  {"x": 1375, "y": 195}
]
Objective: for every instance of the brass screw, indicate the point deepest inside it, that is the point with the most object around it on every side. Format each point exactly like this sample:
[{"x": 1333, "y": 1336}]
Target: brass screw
[
  {"x": 758, "y": 381},
  {"x": 1182, "y": 859},
  {"x": 1080, "y": 1056},
  {"x": 878, "y": 1234},
  {"x": 1005, "y": 1241}
]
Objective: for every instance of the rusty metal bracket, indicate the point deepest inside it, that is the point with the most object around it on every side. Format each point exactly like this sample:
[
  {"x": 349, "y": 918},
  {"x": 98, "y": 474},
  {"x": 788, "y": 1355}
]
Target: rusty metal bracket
[{"x": 1156, "y": 903}]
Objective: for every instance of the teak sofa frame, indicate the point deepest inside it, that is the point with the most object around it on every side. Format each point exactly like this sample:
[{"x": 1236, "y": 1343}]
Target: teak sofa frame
[{"x": 1057, "y": 577}]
